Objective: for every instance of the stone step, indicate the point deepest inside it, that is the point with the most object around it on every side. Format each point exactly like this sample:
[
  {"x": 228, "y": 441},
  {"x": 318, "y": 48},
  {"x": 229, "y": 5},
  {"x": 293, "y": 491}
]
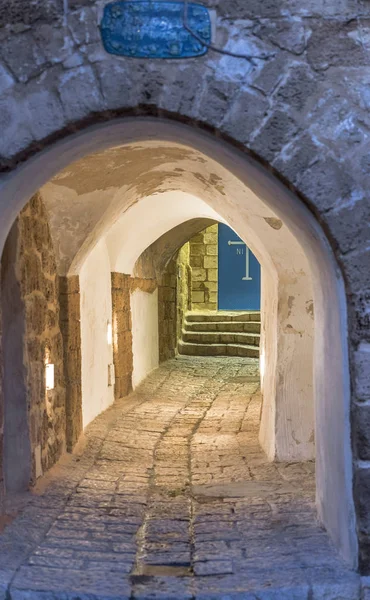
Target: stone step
[
  {"x": 224, "y": 326},
  {"x": 191, "y": 349},
  {"x": 221, "y": 337},
  {"x": 209, "y": 316}
]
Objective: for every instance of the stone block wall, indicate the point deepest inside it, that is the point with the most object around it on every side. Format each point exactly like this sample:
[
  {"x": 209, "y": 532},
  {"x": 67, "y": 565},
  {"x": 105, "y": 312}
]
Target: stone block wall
[
  {"x": 167, "y": 311},
  {"x": 288, "y": 110},
  {"x": 204, "y": 269},
  {"x": 122, "y": 334},
  {"x": 69, "y": 297},
  {"x": 30, "y": 311},
  {"x": 122, "y": 287},
  {"x": 2, "y": 488},
  {"x": 183, "y": 291},
  {"x": 43, "y": 339}
]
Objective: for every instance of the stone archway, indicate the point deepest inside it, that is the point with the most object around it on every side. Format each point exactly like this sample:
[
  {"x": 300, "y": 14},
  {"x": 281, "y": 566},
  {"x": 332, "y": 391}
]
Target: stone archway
[{"x": 332, "y": 400}]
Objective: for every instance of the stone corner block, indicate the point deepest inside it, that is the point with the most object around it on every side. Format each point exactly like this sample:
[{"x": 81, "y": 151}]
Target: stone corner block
[{"x": 362, "y": 371}]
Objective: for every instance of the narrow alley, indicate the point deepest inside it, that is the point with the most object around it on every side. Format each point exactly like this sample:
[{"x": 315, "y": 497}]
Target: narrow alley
[{"x": 172, "y": 498}]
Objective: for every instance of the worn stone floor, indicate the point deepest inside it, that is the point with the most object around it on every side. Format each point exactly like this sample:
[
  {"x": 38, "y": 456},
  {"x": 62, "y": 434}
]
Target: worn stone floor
[{"x": 172, "y": 498}]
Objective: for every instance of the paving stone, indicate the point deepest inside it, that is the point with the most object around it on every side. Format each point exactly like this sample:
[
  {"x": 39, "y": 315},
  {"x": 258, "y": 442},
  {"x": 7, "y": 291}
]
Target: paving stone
[
  {"x": 190, "y": 509},
  {"x": 213, "y": 567}
]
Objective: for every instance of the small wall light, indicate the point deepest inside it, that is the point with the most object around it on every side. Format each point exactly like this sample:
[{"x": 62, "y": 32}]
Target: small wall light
[
  {"x": 109, "y": 333},
  {"x": 49, "y": 376}
]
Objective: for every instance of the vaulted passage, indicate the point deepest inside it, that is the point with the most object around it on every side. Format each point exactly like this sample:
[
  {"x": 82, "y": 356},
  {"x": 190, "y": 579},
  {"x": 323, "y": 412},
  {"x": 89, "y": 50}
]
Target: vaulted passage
[
  {"x": 173, "y": 498},
  {"x": 193, "y": 417}
]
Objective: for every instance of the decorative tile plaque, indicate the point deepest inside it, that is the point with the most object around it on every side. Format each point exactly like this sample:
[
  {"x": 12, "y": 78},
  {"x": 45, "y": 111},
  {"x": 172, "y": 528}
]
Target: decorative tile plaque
[{"x": 147, "y": 29}]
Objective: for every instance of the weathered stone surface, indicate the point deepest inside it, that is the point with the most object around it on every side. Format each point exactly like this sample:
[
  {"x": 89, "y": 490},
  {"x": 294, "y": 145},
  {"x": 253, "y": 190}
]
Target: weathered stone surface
[
  {"x": 357, "y": 266},
  {"x": 216, "y": 99},
  {"x": 287, "y": 34},
  {"x": 274, "y": 134},
  {"x": 52, "y": 75},
  {"x": 167, "y": 298},
  {"x": 202, "y": 263},
  {"x": 361, "y": 431},
  {"x": 246, "y": 111},
  {"x": 348, "y": 224},
  {"x": 271, "y": 74},
  {"x": 127, "y": 518},
  {"x": 122, "y": 336},
  {"x": 79, "y": 93},
  {"x": 297, "y": 89},
  {"x": 6, "y": 80},
  {"x": 23, "y": 56},
  {"x": 46, "y": 111},
  {"x": 327, "y": 182},
  {"x": 362, "y": 365},
  {"x": 24, "y": 12},
  {"x": 334, "y": 43},
  {"x": 71, "y": 333},
  {"x": 40, "y": 338}
]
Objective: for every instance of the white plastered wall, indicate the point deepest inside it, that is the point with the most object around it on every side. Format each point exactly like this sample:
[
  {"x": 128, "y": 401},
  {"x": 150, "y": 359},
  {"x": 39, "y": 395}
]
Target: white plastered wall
[
  {"x": 287, "y": 427},
  {"x": 147, "y": 220},
  {"x": 145, "y": 343},
  {"x": 137, "y": 229},
  {"x": 97, "y": 353}
]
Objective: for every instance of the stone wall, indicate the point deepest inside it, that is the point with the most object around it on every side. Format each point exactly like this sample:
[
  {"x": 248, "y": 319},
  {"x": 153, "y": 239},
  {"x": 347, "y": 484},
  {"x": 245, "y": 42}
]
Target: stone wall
[
  {"x": 122, "y": 287},
  {"x": 167, "y": 311},
  {"x": 302, "y": 108},
  {"x": 2, "y": 486},
  {"x": 69, "y": 298},
  {"x": 204, "y": 269},
  {"x": 183, "y": 292},
  {"x": 122, "y": 335},
  {"x": 32, "y": 338}
]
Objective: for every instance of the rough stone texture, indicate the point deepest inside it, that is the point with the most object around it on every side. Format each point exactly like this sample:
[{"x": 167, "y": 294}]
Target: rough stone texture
[
  {"x": 167, "y": 326},
  {"x": 2, "y": 488},
  {"x": 183, "y": 298},
  {"x": 173, "y": 499},
  {"x": 122, "y": 335},
  {"x": 363, "y": 372},
  {"x": 145, "y": 285},
  {"x": 122, "y": 286},
  {"x": 26, "y": 12},
  {"x": 33, "y": 266},
  {"x": 71, "y": 331},
  {"x": 220, "y": 333},
  {"x": 318, "y": 141},
  {"x": 204, "y": 269}
]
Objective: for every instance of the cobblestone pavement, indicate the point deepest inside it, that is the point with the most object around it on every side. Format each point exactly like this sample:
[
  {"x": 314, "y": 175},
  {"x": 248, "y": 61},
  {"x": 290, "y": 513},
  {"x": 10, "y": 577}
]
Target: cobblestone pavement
[{"x": 172, "y": 498}]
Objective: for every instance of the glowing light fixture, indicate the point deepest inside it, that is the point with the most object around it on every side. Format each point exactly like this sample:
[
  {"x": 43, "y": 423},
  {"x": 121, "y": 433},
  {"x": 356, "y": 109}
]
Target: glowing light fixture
[
  {"x": 109, "y": 333},
  {"x": 49, "y": 376}
]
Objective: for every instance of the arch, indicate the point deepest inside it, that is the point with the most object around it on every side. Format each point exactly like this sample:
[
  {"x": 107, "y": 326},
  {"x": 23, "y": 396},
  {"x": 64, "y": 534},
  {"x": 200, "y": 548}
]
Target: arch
[
  {"x": 332, "y": 391},
  {"x": 153, "y": 261}
]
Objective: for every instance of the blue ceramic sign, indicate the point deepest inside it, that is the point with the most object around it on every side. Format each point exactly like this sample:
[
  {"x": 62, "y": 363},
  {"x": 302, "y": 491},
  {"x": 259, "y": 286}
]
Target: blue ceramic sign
[{"x": 146, "y": 29}]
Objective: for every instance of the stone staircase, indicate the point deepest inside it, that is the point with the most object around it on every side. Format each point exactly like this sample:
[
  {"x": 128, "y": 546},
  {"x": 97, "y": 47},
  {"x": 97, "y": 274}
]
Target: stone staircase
[{"x": 221, "y": 333}]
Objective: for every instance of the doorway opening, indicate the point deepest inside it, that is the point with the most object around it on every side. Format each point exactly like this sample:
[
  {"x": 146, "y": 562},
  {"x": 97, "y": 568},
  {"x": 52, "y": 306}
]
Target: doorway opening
[
  {"x": 218, "y": 304},
  {"x": 113, "y": 232}
]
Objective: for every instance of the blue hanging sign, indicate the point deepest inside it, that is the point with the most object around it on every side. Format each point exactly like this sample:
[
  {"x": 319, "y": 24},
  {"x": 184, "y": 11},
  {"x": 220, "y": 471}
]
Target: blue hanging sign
[{"x": 147, "y": 29}]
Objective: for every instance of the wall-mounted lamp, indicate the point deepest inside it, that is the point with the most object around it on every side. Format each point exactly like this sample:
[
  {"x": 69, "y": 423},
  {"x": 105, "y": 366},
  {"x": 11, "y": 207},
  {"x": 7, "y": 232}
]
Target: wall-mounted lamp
[
  {"x": 49, "y": 376},
  {"x": 109, "y": 333}
]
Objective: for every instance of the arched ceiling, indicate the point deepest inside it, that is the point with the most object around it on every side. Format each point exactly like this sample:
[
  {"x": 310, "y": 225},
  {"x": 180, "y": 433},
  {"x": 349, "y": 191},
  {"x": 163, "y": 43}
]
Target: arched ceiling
[
  {"x": 93, "y": 198},
  {"x": 152, "y": 262}
]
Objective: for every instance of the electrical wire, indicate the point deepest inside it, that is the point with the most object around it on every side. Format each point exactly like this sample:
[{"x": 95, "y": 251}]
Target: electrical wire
[{"x": 250, "y": 57}]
